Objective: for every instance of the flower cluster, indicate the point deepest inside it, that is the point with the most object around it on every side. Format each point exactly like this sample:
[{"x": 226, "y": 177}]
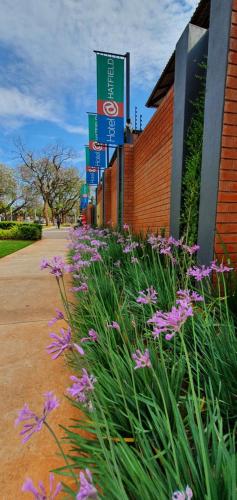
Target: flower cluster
[
  {"x": 63, "y": 343},
  {"x": 81, "y": 387},
  {"x": 150, "y": 297},
  {"x": 34, "y": 422},
  {"x": 141, "y": 360},
  {"x": 114, "y": 325},
  {"x": 40, "y": 493},
  {"x": 183, "y": 495},
  {"x": 87, "y": 489},
  {"x": 56, "y": 265},
  {"x": 130, "y": 246},
  {"x": 92, "y": 336}
]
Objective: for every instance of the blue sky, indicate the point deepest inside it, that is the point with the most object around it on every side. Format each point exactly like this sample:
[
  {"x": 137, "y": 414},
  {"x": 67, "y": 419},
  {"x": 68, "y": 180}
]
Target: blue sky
[{"x": 48, "y": 72}]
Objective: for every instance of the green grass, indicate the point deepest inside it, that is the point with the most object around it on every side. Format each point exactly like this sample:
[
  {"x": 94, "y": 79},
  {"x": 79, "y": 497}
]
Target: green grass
[{"x": 10, "y": 246}]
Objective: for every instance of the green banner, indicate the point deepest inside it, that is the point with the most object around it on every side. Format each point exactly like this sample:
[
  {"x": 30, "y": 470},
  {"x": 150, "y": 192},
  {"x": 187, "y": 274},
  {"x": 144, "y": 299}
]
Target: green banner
[
  {"x": 92, "y": 127},
  {"x": 110, "y": 78}
]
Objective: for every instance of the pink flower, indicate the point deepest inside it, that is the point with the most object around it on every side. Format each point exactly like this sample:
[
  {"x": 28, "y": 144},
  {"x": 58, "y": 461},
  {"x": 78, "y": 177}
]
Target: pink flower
[
  {"x": 41, "y": 494},
  {"x": 130, "y": 247},
  {"x": 87, "y": 489},
  {"x": 57, "y": 265},
  {"x": 141, "y": 360},
  {"x": 171, "y": 321},
  {"x": 63, "y": 343},
  {"x": 113, "y": 325},
  {"x": 93, "y": 335},
  {"x": 126, "y": 227},
  {"x": 199, "y": 272},
  {"x": 147, "y": 298},
  {"x": 96, "y": 257},
  {"x": 82, "y": 288},
  {"x": 58, "y": 316},
  {"x": 221, "y": 268},
  {"x": 81, "y": 387},
  {"x": 26, "y": 415},
  {"x": 183, "y": 495},
  {"x": 186, "y": 297},
  {"x": 191, "y": 250}
]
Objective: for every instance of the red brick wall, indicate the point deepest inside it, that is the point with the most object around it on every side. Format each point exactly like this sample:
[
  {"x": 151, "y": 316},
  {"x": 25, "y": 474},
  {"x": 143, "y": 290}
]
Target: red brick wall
[
  {"x": 152, "y": 170},
  {"x": 99, "y": 208},
  {"x": 89, "y": 214},
  {"x": 107, "y": 188},
  {"x": 113, "y": 169},
  {"x": 226, "y": 216}
]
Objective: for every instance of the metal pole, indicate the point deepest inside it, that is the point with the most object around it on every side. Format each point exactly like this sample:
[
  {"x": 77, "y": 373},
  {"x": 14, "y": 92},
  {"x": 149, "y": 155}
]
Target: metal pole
[
  {"x": 107, "y": 150},
  {"x": 128, "y": 119}
]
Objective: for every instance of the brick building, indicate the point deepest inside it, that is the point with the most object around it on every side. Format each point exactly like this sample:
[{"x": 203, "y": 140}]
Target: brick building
[{"x": 143, "y": 184}]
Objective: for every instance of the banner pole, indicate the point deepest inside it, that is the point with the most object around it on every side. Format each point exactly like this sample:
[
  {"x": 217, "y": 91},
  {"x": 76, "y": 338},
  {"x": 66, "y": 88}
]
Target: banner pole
[
  {"x": 107, "y": 156},
  {"x": 128, "y": 119}
]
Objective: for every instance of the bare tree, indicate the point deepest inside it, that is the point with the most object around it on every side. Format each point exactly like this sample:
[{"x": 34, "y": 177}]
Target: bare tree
[{"x": 49, "y": 176}]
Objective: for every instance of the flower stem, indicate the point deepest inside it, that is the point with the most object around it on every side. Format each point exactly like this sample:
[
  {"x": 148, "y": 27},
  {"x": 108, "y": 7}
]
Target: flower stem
[{"x": 61, "y": 450}]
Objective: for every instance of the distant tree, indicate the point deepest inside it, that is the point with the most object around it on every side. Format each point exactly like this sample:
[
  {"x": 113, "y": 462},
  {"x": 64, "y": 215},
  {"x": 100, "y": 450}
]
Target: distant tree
[
  {"x": 49, "y": 176},
  {"x": 67, "y": 192},
  {"x": 14, "y": 194}
]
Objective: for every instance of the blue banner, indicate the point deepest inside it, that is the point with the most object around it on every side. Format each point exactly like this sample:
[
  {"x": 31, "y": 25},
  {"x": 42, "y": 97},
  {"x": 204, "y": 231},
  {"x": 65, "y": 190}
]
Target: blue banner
[
  {"x": 92, "y": 175},
  {"x": 91, "y": 172},
  {"x": 111, "y": 130},
  {"x": 96, "y": 150}
]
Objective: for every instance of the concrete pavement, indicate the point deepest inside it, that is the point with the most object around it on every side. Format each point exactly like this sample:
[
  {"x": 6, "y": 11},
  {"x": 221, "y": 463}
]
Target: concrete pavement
[{"x": 28, "y": 298}]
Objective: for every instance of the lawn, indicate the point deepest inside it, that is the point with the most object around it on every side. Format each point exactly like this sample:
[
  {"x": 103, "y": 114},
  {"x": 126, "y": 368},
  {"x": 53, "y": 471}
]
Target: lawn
[{"x": 10, "y": 246}]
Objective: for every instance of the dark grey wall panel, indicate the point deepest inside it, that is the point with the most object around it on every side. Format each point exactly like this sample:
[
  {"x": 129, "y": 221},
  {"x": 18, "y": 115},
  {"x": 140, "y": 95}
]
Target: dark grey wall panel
[
  {"x": 190, "y": 52},
  {"x": 220, "y": 19}
]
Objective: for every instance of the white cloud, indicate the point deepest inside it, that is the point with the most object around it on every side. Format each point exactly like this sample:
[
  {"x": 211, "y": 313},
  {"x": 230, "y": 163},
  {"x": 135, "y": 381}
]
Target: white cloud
[
  {"x": 17, "y": 107},
  {"x": 54, "y": 41}
]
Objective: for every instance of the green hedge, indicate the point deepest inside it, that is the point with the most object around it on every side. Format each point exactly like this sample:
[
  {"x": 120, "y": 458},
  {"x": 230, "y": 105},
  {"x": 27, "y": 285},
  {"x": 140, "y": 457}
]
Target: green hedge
[{"x": 10, "y": 230}]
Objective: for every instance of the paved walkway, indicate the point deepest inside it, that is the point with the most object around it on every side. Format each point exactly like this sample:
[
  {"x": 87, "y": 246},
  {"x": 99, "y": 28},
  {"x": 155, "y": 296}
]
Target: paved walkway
[{"x": 28, "y": 298}]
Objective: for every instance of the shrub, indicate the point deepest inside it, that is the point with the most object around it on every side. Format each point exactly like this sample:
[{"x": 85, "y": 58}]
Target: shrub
[{"x": 10, "y": 230}]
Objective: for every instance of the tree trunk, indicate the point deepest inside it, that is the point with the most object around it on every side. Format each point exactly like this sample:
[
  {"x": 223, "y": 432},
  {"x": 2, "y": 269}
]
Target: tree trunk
[{"x": 45, "y": 212}]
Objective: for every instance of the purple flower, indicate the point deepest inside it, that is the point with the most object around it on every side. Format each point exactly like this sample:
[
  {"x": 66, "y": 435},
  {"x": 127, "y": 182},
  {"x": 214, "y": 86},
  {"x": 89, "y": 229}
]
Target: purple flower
[
  {"x": 93, "y": 335},
  {"x": 134, "y": 260},
  {"x": 221, "y": 268},
  {"x": 113, "y": 325},
  {"x": 57, "y": 266},
  {"x": 58, "y": 316},
  {"x": 40, "y": 494},
  {"x": 81, "y": 387},
  {"x": 82, "y": 288},
  {"x": 130, "y": 247},
  {"x": 26, "y": 415},
  {"x": 87, "y": 490},
  {"x": 199, "y": 272},
  {"x": 96, "y": 257},
  {"x": 183, "y": 495},
  {"x": 171, "y": 321},
  {"x": 191, "y": 250},
  {"x": 117, "y": 263},
  {"x": 174, "y": 242},
  {"x": 141, "y": 360},
  {"x": 63, "y": 343},
  {"x": 147, "y": 298},
  {"x": 80, "y": 264},
  {"x": 186, "y": 297}
]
